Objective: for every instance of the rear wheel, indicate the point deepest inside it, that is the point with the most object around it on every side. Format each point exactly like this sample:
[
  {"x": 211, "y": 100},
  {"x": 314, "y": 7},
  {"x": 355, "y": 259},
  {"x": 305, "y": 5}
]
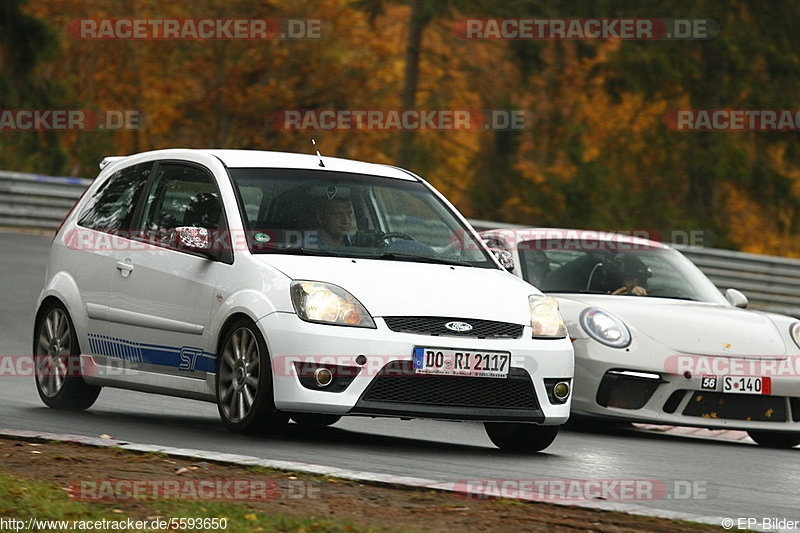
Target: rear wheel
[
  {"x": 57, "y": 362},
  {"x": 516, "y": 437},
  {"x": 315, "y": 420},
  {"x": 244, "y": 381},
  {"x": 775, "y": 439}
]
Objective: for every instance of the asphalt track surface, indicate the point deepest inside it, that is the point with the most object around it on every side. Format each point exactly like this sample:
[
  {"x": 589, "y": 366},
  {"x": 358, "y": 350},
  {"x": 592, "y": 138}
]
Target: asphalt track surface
[{"x": 735, "y": 478}]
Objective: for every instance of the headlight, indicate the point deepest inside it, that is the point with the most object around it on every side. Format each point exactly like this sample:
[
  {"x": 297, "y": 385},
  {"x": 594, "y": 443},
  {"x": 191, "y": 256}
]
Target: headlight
[
  {"x": 546, "y": 319},
  {"x": 322, "y": 302},
  {"x": 795, "y": 331},
  {"x": 605, "y": 328}
]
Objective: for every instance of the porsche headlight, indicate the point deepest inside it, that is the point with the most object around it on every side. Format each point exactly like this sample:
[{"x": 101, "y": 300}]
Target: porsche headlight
[
  {"x": 546, "y": 319},
  {"x": 315, "y": 301},
  {"x": 605, "y": 328},
  {"x": 795, "y": 331}
]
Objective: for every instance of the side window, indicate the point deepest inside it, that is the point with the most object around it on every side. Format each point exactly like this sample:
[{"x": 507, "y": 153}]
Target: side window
[
  {"x": 111, "y": 208},
  {"x": 181, "y": 195}
]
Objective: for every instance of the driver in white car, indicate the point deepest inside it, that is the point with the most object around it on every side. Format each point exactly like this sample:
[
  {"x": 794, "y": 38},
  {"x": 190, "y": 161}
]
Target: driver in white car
[
  {"x": 335, "y": 219},
  {"x": 634, "y": 276}
]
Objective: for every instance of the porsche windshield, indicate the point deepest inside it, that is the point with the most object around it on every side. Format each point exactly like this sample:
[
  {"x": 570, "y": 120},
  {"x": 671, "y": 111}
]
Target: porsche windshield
[
  {"x": 641, "y": 271},
  {"x": 330, "y": 213}
]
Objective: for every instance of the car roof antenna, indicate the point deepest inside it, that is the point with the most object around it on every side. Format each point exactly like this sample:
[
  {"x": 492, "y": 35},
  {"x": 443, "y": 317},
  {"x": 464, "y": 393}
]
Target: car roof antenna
[{"x": 318, "y": 154}]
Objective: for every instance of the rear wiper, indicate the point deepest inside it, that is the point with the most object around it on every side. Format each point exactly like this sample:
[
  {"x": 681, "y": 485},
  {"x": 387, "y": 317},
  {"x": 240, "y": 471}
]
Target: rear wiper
[{"x": 397, "y": 256}]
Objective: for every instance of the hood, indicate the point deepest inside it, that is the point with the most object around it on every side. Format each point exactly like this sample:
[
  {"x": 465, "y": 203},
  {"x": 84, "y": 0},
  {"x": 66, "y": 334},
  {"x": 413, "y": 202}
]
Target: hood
[
  {"x": 403, "y": 288},
  {"x": 689, "y": 327}
]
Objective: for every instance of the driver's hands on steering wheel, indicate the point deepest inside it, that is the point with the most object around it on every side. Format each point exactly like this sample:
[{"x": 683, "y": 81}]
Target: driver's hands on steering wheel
[{"x": 635, "y": 291}]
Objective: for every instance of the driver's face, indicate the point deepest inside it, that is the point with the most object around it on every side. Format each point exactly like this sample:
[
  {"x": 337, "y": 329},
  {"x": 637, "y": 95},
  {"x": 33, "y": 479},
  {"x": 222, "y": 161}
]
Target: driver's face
[{"x": 336, "y": 218}]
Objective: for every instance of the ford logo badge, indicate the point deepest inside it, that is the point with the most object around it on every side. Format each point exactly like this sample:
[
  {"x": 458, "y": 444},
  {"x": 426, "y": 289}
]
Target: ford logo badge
[{"x": 460, "y": 327}]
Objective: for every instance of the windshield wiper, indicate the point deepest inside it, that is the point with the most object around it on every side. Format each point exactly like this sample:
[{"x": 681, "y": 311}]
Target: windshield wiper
[
  {"x": 571, "y": 291},
  {"x": 674, "y": 297},
  {"x": 398, "y": 256},
  {"x": 296, "y": 250}
]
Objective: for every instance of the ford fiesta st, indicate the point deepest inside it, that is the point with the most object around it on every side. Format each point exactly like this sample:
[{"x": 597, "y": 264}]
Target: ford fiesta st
[{"x": 284, "y": 285}]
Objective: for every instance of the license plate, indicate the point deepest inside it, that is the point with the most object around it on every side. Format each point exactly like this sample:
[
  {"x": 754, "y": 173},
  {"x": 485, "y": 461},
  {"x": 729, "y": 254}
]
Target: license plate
[
  {"x": 746, "y": 385},
  {"x": 451, "y": 362}
]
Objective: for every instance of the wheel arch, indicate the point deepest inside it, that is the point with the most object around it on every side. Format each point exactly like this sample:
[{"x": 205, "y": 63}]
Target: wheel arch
[{"x": 46, "y": 303}]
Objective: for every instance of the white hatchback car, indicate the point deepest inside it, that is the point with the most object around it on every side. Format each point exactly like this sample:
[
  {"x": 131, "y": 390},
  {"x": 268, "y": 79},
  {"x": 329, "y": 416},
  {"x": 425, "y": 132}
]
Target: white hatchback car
[
  {"x": 655, "y": 341},
  {"x": 284, "y": 285}
]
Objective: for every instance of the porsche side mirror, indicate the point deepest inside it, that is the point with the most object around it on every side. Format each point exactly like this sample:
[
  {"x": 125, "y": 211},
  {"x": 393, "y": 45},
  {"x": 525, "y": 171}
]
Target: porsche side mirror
[{"x": 736, "y": 298}]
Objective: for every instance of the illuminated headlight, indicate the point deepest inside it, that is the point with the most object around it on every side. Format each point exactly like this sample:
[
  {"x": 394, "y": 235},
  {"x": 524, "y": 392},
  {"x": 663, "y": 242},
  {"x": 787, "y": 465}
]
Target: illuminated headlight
[
  {"x": 795, "y": 331},
  {"x": 328, "y": 304},
  {"x": 605, "y": 328},
  {"x": 546, "y": 319}
]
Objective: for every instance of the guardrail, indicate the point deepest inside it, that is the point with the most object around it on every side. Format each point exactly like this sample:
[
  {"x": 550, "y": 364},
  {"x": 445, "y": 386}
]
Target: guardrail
[
  {"x": 770, "y": 282},
  {"x": 36, "y": 201}
]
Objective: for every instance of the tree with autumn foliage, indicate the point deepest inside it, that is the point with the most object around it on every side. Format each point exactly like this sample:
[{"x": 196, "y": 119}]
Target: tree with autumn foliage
[{"x": 595, "y": 151}]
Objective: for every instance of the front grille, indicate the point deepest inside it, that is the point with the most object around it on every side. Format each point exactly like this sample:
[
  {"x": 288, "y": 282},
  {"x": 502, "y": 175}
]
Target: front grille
[
  {"x": 397, "y": 383},
  {"x": 435, "y": 326},
  {"x": 737, "y": 407}
]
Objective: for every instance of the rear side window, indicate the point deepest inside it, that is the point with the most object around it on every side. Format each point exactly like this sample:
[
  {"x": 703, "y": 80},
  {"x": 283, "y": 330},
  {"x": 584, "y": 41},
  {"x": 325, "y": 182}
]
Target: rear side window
[{"x": 112, "y": 206}]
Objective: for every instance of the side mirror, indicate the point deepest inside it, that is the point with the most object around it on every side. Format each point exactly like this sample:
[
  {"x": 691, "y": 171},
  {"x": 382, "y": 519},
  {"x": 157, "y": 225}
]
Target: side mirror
[
  {"x": 505, "y": 258},
  {"x": 192, "y": 239},
  {"x": 736, "y": 298}
]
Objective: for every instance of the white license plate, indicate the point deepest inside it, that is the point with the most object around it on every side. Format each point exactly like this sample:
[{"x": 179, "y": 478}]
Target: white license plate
[
  {"x": 451, "y": 362},
  {"x": 746, "y": 384}
]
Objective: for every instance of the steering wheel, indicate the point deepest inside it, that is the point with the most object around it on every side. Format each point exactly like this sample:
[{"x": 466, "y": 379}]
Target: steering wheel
[{"x": 397, "y": 235}]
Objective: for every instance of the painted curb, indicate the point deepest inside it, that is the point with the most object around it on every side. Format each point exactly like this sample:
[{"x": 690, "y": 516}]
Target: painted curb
[{"x": 352, "y": 475}]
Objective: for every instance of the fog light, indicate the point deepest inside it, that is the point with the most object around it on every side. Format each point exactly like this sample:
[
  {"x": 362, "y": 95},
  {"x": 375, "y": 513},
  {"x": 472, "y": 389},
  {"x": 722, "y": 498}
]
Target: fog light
[
  {"x": 561, "y": 390},
  {"x": 323, "y": 377}
]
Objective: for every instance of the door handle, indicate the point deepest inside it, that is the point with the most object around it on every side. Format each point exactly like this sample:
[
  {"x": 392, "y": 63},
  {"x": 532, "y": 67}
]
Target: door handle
[{"x": 124, "y": 268}]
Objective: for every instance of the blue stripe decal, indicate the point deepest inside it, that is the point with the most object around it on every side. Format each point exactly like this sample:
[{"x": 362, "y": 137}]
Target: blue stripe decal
[{"x": 183, "y": 358}]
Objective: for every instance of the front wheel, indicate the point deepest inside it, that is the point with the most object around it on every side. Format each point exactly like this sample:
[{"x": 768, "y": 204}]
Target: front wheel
[
  {"x": 57, "y": 362},
  {"x": 775, "y": 439},
  {"x": 516, "y": 437},
  {"x": 244, "y": 382}
]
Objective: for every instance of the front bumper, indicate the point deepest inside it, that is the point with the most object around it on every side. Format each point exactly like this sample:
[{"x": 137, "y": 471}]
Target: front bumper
[
  {"x": 630, "y": 386},
  {"x": 379, "y": 380}
]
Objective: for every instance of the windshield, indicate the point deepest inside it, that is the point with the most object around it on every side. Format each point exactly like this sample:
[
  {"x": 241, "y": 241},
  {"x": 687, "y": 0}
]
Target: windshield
[
  {"x": 644, "y": 271},
  {"x": 351, "y": 215}
]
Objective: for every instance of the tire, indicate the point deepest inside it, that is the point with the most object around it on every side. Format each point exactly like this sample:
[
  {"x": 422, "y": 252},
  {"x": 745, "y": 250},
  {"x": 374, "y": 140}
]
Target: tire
[
  {"x": 245, "y": 397},
  {"x": 516, "y": 437},
  {"x": 314, "y": 420},
  {"x": 775, "y": 439},
  {"x": 57, "y": 362}
]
